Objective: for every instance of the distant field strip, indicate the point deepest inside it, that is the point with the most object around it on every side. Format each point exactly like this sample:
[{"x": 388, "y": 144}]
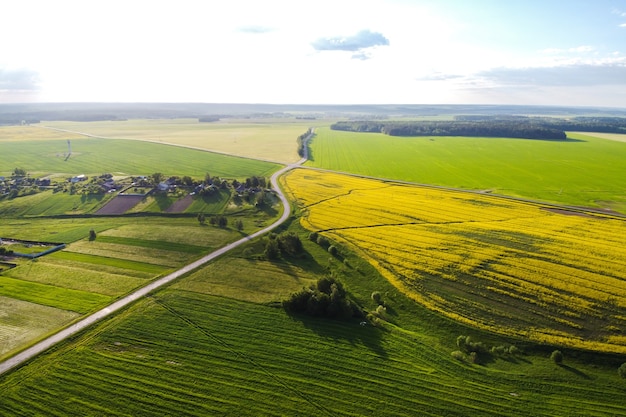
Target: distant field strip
[
  {"x": 501, "y": 265},
  {"x": 125, "y": 157},
  {"x": 140, "y": 269},
  {"x": 51, "y": 295},
  {"x": 583, "y": 171},
  {"x": 77, "y": 276},
  {"x": 270, "y": 139}
]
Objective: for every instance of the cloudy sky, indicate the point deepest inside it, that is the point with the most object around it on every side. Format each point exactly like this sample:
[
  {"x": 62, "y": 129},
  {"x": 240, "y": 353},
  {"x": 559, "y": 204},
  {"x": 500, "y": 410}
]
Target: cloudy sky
[{"x": 548, "y": 52}]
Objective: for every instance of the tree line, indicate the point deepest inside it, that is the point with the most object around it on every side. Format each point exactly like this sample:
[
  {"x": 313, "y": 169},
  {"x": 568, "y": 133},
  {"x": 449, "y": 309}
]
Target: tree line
[
  {"x": 302, "y": 142},
  {"x": 495, "y": 128},
  {"x": 551, "y": 128}
]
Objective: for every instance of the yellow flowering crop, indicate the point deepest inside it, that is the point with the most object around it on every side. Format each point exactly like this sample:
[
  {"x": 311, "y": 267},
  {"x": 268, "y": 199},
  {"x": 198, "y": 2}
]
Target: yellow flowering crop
[{"x": 513, "y": 267}]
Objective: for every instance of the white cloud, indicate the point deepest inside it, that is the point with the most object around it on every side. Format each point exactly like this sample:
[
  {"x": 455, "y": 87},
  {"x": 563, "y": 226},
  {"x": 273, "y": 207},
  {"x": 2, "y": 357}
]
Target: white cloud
[{"x": 362, "y": 40}]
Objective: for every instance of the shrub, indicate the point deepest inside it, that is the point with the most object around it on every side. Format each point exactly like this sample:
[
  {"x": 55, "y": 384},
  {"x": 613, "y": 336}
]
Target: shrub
[
  {"x": 557, "y": 357},
  {"x": 621, "y": 371},
  {"x": 323, "y": 242},
  {"x": 381, "y": 312},
  {"x": 332, "y": 249},
  {"x": 458, "y": 355},
  {"x": 313, "y": 237},
  {"x": 378, "y": 299},
  {"x": 92, "y": 235}
]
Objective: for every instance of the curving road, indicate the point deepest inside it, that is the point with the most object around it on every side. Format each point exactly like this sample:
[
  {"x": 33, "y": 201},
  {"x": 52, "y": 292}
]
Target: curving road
[{"x": 47, "y": 343}]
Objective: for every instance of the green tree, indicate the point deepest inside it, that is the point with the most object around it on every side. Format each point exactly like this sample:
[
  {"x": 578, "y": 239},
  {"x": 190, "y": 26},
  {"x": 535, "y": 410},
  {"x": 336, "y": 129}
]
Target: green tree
[
  {"x": 157, "y": 178},
  {"x": 238, "y": 225},
  {"x": 187, "y": 180},
  {"x": 621, "y": 371},
  {"x": 378, "y": 299},
  {"x": 557, "y": 357},
  {"x": 272, "y": 250},
  {"x": 290, "y": 243},
  {"x": 92, "y": 235},
  {"x": 19, "y": 172},
  {"x": 201, "y": 218},
  {"x": 222, "y": 221}
]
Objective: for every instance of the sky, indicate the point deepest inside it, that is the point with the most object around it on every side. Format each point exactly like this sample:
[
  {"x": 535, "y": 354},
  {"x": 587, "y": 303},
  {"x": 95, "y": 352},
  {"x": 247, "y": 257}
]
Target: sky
[{"x": 529, "y": 52}]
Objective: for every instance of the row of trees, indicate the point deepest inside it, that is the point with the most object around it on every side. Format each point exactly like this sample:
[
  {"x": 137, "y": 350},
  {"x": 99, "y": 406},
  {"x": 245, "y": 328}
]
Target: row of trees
[
  {"x": 495, "y": 128},
  {"x": 490, "y": 126},
  {"x": 302, "y": 142},
  {"x": 580, "y": 124}
]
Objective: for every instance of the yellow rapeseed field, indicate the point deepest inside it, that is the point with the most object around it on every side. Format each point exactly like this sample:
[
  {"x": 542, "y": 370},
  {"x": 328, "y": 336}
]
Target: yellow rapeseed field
[{"x": 512, "y": 267}]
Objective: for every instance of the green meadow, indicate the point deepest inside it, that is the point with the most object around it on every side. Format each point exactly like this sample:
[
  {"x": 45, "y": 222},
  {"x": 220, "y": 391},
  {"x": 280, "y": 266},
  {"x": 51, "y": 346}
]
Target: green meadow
[
  {"x": 123, "y": 157},
  {"x": 192, "y": 349},
  {"x": 582, "y": 171}
]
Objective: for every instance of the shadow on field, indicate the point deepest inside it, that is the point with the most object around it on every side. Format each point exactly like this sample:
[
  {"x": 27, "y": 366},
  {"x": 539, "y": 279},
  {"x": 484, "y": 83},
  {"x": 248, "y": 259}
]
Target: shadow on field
[
  {"x": 574, "y": 371},
  {"x": 340, "y": 331}
]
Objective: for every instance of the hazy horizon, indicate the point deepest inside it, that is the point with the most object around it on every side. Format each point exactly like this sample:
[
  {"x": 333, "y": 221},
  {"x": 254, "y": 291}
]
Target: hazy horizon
[{"x": 486, "y": 52}]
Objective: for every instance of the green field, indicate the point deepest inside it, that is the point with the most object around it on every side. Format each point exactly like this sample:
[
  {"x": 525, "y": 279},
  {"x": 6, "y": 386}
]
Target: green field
[
  {"x": 22, "y": 321},
  {"x": 217, "y": 342},
  {"x": 123, "y": 157},
  {"x": 583, "y": 171},
  {"x": 48, "y": 203},
  {"x": 87, "y": 275},
  {"x": 272, "y": 139},
  {"x": 184, "y": 351}
]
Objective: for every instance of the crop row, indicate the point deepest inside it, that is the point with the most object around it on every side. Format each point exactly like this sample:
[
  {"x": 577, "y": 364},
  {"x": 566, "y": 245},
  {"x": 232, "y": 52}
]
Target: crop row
[
  {"x": 181, "y": 352},
  {"x": 477, "y": 257}
]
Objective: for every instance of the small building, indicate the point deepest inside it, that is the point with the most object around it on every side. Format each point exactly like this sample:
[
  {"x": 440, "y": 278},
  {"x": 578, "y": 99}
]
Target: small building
[{"x": 78, "y": 178}]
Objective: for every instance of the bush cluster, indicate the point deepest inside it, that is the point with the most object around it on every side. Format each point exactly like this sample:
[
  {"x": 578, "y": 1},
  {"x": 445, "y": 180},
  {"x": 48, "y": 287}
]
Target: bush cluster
[
  {"x": 326, "y": 298},
  {"x": 286, "y": 243},
  {"x": 476, "y": 352},
  {"x": 5, "y": 252}
]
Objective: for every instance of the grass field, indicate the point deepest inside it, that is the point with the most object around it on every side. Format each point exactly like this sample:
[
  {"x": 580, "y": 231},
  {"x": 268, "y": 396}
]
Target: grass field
[
  {"x": 86, "y": 275},
  {"x": 184, "y": 351},
  {"x": 22, "y": 321},
  {"x": 48, "y": 203},
  {"x": 122, "y": 157},
  {"x": 502, "y": 265},
  {"x": 215, "y": 343},
  {"x": 269, "y": 139},
  {"x": 583, "y": 171}
]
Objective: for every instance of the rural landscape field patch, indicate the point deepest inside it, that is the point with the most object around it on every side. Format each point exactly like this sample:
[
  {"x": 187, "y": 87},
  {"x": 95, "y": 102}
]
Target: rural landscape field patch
[
  {"x": 506, "y": 266},
  {"x": 582, "y": 171},
  {"x": 263, "y": 138},
  {"x": 87, "y": 275}
]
